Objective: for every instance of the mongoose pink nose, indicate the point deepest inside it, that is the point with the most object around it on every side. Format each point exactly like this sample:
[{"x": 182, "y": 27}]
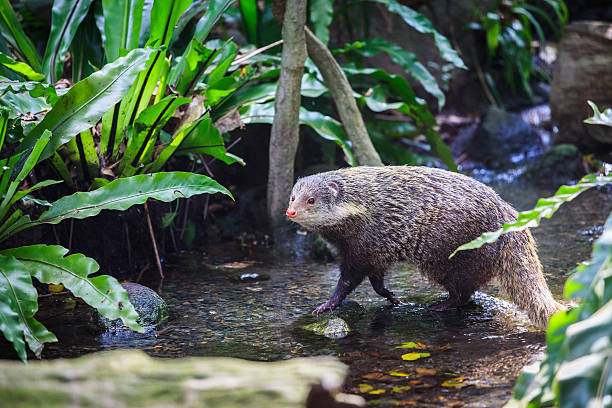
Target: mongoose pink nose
[{"x": 291, "y": 213}]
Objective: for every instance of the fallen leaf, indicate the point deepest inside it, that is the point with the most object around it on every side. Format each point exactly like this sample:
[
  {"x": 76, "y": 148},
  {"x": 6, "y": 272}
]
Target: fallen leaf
[
  {"x": 400, "y": 389},
  {"x": 365, "y": 388},
  {"x": 373, "y": 376},
  {"x": 55, "y": 288},
  {"x": 378, "y": 391},
  {"x": 425, "y": 371},
  {"x": 414, "y": 356},
  {"x": 398, "y": 373},
  {"x": 455, "y": 382},
  {"x": 412, "y": 344},
  {"x": 445, "y": 347}
]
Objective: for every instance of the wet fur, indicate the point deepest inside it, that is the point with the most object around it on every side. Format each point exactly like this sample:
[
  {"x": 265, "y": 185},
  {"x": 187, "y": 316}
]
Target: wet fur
[{"x": 379, "y": 216}]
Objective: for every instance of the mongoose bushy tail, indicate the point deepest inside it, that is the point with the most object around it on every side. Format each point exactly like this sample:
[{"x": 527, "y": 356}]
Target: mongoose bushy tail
[
  {"x": 520, "y": 278},
  {"x": 378, "y": 216}
]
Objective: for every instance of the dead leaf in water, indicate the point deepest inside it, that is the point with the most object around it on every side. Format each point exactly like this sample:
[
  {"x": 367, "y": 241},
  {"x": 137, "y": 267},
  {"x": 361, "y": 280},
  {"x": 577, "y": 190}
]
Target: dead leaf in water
[
  {"x": 373, "y": 376},
  {"x": 414, "y": 356},
  {"x": 425, "y": 371},
  {"x": 412, "y": 344},
  {"x": 398, "y": 373},
  {"x": 401, "y": 389},
  {"x": 363, "y": 388},
  {"x": 378, "y": 391}
]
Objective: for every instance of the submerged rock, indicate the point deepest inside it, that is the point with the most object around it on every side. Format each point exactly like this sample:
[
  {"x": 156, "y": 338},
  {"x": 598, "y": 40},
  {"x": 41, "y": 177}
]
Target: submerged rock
[
  {"x": 503, "y": 139},
  {"x": 151, "y": 308},
  {"x": 329, "y": 326},
  {"x": 133, "y": 379},
  {"x": 561, "y": 164}
]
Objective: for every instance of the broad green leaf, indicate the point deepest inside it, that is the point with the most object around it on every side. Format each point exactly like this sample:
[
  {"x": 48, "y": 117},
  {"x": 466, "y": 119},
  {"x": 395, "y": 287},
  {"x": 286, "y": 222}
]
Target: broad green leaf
[
  {"x": 66, "y": 16},
  {"x": 417, "y": 21},
  {"x": 544, "y": 208},
  {"x": 408, "y": 61},
  {"x": 216, "y": 8},
  {"x": 123, "y": 193},
  {"x": 206, "y": 139},
  {"x": 4, "y": 122},
  {"x": 86, "y": 49},
  {"x": 122, "y": 22},
  {"x": 12, "y": 32},
  {"x": 321, "y": 16},
  {"x": 177, "y": 139},
  {"x": 20, "y": 68},
  {"x": 18, "y": 304},
  {"x": 24, "y": 165},
  {"x": 185, "y": 74},
  {"x": 33, "y": 88},
  {"x": 49, "y": 264},
  {"x": 248, "y": 9},
  {"x": 323, "y": 125},
  {"x": 142, "y": 137},
  {"x": 599, "y": 118},
  {"x": 164, "y": 16},
  {"x": 85, "y": 103}
]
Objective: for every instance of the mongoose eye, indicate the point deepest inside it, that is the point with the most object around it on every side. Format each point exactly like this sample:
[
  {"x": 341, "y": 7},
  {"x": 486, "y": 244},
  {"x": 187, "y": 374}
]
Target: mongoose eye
[
  {"x": 311, "y": 200},
  {"x": 292, "y": 198}
]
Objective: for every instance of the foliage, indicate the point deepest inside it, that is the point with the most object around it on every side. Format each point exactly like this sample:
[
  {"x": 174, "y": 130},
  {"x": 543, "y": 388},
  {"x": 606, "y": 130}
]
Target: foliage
[
  {"x": 576, "y": 369},
  {"x": 544, "y": 208},
  {"x": 509, "y": 32}
]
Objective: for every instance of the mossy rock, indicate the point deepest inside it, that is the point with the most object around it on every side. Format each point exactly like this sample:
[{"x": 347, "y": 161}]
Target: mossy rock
[
  {"x": 130, "y": 378},
  {"x": 151, "y": 308}
]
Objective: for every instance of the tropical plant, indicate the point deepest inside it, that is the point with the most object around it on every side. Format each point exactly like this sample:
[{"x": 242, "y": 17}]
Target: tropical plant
[
  {"x": 511, "y": 28},
  {"x": 377, "y": 91},
  {"x": 576, "y": 370}
]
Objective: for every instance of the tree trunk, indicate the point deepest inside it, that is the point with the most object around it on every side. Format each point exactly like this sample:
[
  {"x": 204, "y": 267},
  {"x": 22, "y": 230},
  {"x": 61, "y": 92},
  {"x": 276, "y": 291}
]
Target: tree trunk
[
  {"x": 341, "y": 91},
  {"x": 285, "y": 129}
]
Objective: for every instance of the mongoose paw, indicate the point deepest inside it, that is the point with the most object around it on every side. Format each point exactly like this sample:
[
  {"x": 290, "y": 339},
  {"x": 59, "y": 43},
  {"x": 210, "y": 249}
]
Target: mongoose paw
[
  {"x": 394, "y": 300},
  {"x": 325, "y": 306},
  {"x": 445, "y": 305}
]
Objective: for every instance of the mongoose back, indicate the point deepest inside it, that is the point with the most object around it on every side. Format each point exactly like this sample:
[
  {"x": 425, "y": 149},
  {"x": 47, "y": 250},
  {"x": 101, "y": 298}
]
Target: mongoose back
[{"x": 378, "y": 216}]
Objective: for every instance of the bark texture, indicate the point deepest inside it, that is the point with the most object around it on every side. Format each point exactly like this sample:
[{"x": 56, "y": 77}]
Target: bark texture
[
  {"x": 341, "y": 91},
  {"x": 285, "y": 129}
]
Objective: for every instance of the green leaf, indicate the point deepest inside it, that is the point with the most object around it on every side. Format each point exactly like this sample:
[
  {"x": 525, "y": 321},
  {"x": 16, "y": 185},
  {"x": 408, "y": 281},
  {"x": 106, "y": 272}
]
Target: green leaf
[
  {"x": 599, "y": 118},
  {"x": 164, "y": 16},
  {"x": 12, "y": 32},
  {"x": 408, "y": 61},
  {"x": 85, "y": 103},
  {"x": 123, "y": 193},
  {"x": 20, "y": 68},
  {"x": 321, "y": 16},
  {"x": 18, "y": 304},
  {"x": 206, "y": 139},
  {"x": 423, "y": 25},
  {"x": 545, "y": 208},
  {"x": 326, "y": 127},
  {"x": 122, "y": 22},
  {"x": 215, "y": 10},
  {"x": 66, "y": 16},
  {"x": 248, "y": 9},
  {"x": 49, "y": 264},
  {"x": 33, "y": 88}
]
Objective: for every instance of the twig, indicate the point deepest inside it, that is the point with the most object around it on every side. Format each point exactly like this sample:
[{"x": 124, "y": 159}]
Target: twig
[
  {"x": 142, "y": 270},
  {"x": 482, "y": 79},
  {"x": 128, "y": 242},
  {"x": 255, "y": 52},
  {"x": 64, "y": 292},
  {"x": 152, "y": 235},
  {"x": 184, "y": 219},
  {"x": 70, "y": 235}
]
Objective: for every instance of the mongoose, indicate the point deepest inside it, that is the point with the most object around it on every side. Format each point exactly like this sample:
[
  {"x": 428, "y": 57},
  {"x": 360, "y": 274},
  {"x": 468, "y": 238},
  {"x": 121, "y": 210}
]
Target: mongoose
[{"x": 378, "y": 216}]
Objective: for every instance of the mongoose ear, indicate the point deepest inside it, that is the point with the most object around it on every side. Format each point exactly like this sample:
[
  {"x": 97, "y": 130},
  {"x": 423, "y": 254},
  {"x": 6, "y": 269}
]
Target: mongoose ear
[{"x": 335, "y": 189}]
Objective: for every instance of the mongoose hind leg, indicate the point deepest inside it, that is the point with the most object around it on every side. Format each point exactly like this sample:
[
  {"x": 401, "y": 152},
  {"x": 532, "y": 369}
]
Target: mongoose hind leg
[
  {"x": 450, "y": 303},
  {"x": 378, "y": 283}
]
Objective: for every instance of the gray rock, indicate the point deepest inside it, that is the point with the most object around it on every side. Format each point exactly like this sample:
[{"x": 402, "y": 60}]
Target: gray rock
[
  {"x": 151, "y": 308},
  {"x": 503, "y": 139},
  {"x": 582, "y": 72},
  {"x": 561, "y": 164}
]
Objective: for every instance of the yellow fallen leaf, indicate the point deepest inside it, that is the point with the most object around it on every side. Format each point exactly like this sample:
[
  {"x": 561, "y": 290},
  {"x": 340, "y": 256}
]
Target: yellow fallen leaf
[
  {"x": 378, "y": 391},
  {"x": 414, "y": 356},
  {"x": 55, "y": 288},
  {"x": 400, "y": 389},
  {"x": 425, "y": 371},
  {"x": 398, "y": 373},
  {"x": 365, "y": 388},
  {"x": 455, "y": 382},
  {"x": 412, "y": 344}
]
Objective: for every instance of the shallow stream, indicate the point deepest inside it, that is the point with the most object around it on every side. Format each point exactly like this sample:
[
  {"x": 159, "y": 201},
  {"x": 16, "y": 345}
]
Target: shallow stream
[{"x": 474, "y": 357}]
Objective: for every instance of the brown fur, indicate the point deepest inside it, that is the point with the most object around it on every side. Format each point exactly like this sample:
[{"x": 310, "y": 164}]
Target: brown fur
[{"x": 378, "y": 216}]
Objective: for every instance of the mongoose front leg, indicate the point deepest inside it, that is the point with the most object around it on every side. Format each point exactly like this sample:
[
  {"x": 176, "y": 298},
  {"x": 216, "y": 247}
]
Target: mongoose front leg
[
  {"x": 378, "y": 283},
  {"x": 347, "y": 282}
]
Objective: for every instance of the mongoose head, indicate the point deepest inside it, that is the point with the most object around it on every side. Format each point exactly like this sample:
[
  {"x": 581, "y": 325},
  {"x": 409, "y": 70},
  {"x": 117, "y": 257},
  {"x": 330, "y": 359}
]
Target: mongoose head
[{"x": 312, "y": 201}]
